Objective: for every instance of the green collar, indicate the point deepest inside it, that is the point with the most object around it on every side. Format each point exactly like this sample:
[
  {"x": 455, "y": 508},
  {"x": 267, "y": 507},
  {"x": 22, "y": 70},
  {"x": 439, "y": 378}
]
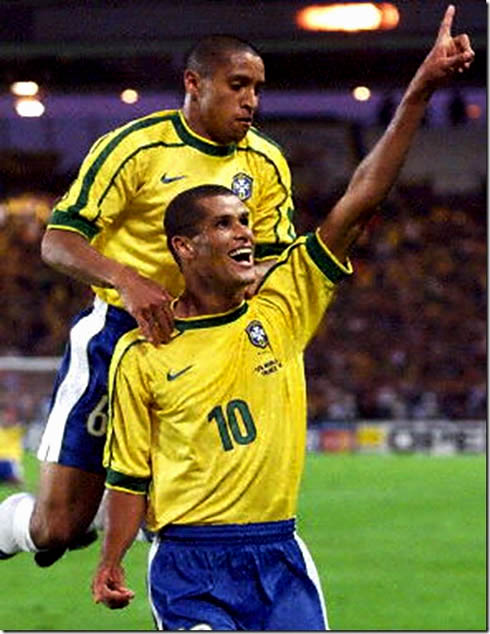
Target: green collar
[
  {"x": 200, "y": 143},
  {"x": 210, "y": 321}
]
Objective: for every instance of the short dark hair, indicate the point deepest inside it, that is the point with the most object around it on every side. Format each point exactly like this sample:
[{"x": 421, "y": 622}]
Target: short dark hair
[
  {"x": 213, "y": 50},
  {"x": 185, "y": 212}
]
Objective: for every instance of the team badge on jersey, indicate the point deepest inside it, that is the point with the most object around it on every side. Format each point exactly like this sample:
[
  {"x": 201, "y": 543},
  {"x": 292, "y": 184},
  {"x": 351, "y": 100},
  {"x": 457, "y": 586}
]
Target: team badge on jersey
[
  {"x": 241, "y": 185},
  {"x": 257, "y": 335}
]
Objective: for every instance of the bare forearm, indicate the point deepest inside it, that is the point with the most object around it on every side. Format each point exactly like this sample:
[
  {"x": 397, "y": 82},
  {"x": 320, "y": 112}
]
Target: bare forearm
[
  {"x": 373, "y": 178},
  {"x": 146, "y": 300},
  {"x": 125, "y": 513},
  {"x": 376, "y": 174},
  {"x": 71, "y": 254}
]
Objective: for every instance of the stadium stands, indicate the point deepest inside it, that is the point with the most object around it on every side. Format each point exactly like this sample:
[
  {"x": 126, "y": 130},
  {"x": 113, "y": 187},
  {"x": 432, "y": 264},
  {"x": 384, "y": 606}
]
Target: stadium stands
[{"x": 406, "y": 337}]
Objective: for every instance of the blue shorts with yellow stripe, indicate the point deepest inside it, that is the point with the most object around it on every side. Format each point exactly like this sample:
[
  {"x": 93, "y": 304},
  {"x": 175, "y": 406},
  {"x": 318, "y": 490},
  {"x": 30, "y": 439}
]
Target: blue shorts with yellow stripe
[
  {"x": 251, "y": 577},
  {"x": 76, "y": 427}
]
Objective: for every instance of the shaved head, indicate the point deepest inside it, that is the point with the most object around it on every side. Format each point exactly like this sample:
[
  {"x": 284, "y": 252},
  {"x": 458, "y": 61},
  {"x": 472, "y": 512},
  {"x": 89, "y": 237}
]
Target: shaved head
[{"x": 214, "y": 51}]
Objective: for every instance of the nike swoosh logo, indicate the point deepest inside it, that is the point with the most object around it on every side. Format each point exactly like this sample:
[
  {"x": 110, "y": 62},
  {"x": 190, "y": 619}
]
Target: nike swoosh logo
[
  {"x": 172, "y": 374},
  {"x": 170, "y": 179}
]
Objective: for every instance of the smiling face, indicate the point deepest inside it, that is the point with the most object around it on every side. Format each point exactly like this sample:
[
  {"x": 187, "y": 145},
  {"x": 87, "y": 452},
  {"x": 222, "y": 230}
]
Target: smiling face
[
  {"x": 222, "y": 104},
  {"x": 220, "y": 256}
]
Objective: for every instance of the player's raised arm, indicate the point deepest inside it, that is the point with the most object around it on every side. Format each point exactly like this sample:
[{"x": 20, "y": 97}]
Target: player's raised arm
[{"x": 376, "y": 174}]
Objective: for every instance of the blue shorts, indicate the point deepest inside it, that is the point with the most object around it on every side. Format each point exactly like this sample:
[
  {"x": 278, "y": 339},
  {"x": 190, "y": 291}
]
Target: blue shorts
[
  {"x": 10, "y": 471},
  {"x": 76, "y": 427},
  {"x": 253, "y": 577}
]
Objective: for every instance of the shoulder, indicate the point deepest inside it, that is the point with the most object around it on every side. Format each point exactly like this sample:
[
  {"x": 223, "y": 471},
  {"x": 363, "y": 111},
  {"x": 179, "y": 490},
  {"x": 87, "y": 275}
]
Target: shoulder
[
  {"x": 259, "y": 142},
  {"x": 130, "y": 348},
  {"x": 151, "y": 127},
  {"x": 309, "y": 252}
]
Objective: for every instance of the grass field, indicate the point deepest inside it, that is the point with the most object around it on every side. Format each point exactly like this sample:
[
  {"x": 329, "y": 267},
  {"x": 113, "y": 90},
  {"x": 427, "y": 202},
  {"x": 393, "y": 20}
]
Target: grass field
[{"x": 400, "y": 543}]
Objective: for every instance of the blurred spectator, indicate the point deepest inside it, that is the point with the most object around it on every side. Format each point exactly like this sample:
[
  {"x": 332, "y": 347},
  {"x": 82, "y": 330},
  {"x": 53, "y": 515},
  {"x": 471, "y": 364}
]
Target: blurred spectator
[{"x": 11, "y": 447}]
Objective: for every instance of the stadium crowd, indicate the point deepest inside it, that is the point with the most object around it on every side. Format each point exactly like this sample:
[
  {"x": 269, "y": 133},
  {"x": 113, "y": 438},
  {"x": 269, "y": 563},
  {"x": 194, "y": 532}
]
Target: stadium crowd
[{"x": 405, "y": 338}]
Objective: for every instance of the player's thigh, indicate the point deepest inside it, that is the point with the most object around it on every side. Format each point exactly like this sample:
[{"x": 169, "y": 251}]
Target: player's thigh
[
  {"x": 68, "y": 498},
  {"x": 299, "y": 604},
  {"x": 75, "y": 430}
]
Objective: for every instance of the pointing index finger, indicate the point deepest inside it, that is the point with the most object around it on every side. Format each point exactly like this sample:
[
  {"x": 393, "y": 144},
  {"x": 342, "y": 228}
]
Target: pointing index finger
[{"x": 447, "y": 21}]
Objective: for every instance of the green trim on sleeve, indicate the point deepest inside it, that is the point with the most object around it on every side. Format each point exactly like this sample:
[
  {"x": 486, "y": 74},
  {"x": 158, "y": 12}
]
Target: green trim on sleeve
[
  {"x": 120, "y": 480},
  {"x": 60, "y": 219},
  {"x": 325, "y": 260},
  {"x": 270, "y": 250}
]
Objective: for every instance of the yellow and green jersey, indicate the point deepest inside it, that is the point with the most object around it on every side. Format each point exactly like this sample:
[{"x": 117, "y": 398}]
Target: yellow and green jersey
[
  {"x": 130, "y": 175},
  {"x": 212, "y": 425}
]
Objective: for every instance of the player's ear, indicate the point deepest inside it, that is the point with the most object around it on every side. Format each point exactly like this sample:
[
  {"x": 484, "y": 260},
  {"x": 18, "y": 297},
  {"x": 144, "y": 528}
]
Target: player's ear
[
  {"x": 184, "y": 248},
  {"x": 192, "y": 83}
]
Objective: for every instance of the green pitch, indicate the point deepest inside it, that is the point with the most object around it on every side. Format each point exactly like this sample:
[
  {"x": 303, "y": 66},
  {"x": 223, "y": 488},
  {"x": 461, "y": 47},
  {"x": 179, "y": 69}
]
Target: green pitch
[{"x": 400, "y": 543}]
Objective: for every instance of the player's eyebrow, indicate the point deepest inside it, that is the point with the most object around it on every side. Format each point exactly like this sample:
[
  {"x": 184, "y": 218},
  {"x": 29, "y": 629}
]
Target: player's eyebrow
[{"x": 245, "y": 78}]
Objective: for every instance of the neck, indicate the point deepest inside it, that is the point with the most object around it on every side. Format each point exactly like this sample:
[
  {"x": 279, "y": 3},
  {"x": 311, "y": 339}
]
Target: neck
[
  {"x": 192, "y": 304},
  {"x": 192, "y": 118}
]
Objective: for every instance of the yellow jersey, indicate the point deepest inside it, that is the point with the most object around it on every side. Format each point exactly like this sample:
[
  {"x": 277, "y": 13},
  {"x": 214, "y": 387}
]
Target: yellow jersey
[
  {"x": 130, "y": 175},
  {"x": 11, "y": 442},
  {"x": 212, "y": 425}
]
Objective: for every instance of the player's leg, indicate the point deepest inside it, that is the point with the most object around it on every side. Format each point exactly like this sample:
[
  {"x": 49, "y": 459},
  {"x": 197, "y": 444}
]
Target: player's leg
[
  {"x": 72, "y": 475},
  {"x": 180, "y": 589},
  {"x": 299, "y": 604},
  {"x": 65, "y": 507},
  {"x": 59, "y": 518}
]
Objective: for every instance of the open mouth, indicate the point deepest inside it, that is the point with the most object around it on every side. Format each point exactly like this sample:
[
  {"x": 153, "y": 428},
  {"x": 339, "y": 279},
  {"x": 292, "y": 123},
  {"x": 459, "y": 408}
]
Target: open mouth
[{"x": 243, "y": 256}]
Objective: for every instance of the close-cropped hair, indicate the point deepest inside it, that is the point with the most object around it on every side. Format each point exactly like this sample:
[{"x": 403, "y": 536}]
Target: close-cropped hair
[
  {"x": 214, "y": 50},
  {"x": 185, "y": 212}
]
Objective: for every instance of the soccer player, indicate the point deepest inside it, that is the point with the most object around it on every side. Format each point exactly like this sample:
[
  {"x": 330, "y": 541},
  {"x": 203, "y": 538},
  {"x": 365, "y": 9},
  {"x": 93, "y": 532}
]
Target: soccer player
[
  {"x": 207, "y": 433},
  {"x": 106, "y": 232}
]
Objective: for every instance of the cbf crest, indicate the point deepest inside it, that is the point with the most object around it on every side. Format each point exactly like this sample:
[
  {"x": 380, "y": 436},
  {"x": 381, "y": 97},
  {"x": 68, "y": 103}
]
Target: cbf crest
[
  {"x": 241, "y": 185},
  {"x": 257, "y": 335}
]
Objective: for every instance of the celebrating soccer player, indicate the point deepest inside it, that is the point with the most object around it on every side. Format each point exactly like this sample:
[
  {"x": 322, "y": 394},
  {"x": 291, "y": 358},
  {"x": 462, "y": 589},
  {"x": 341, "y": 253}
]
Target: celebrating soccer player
[{"x": 207, "y": 433}]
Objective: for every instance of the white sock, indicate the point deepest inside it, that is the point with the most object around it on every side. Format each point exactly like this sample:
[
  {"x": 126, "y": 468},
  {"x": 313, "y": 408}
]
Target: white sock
[
  {"x": 21, "y": 521},
  {"x": 15, "y": 515}
]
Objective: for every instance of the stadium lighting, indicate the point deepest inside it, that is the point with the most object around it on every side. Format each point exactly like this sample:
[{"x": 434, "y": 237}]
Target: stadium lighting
[
  {"x": 24, "y": 88},
  {"x": 362, "y": 16},
  {"x": 473, "y": 111},
  {"x": 129, "y": 96},
  {"x": 361, "y": 93},
  {"x": 29, "y": 107}
]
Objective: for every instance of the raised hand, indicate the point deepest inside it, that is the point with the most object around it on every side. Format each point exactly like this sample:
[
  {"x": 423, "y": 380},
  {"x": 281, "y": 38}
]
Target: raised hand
[{"x": 449, "y": 55}]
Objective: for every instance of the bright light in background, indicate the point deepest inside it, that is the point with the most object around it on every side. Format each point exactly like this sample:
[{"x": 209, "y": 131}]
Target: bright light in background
[
  {"x": 361, "y": 93},
  {"x": 473, "y": 111},
  {"x": 129, "y": 96},
  {"x": 29, "y": 107},
  {"x": 24, "y": 88},
  {"x": 363, "y": 16}
]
